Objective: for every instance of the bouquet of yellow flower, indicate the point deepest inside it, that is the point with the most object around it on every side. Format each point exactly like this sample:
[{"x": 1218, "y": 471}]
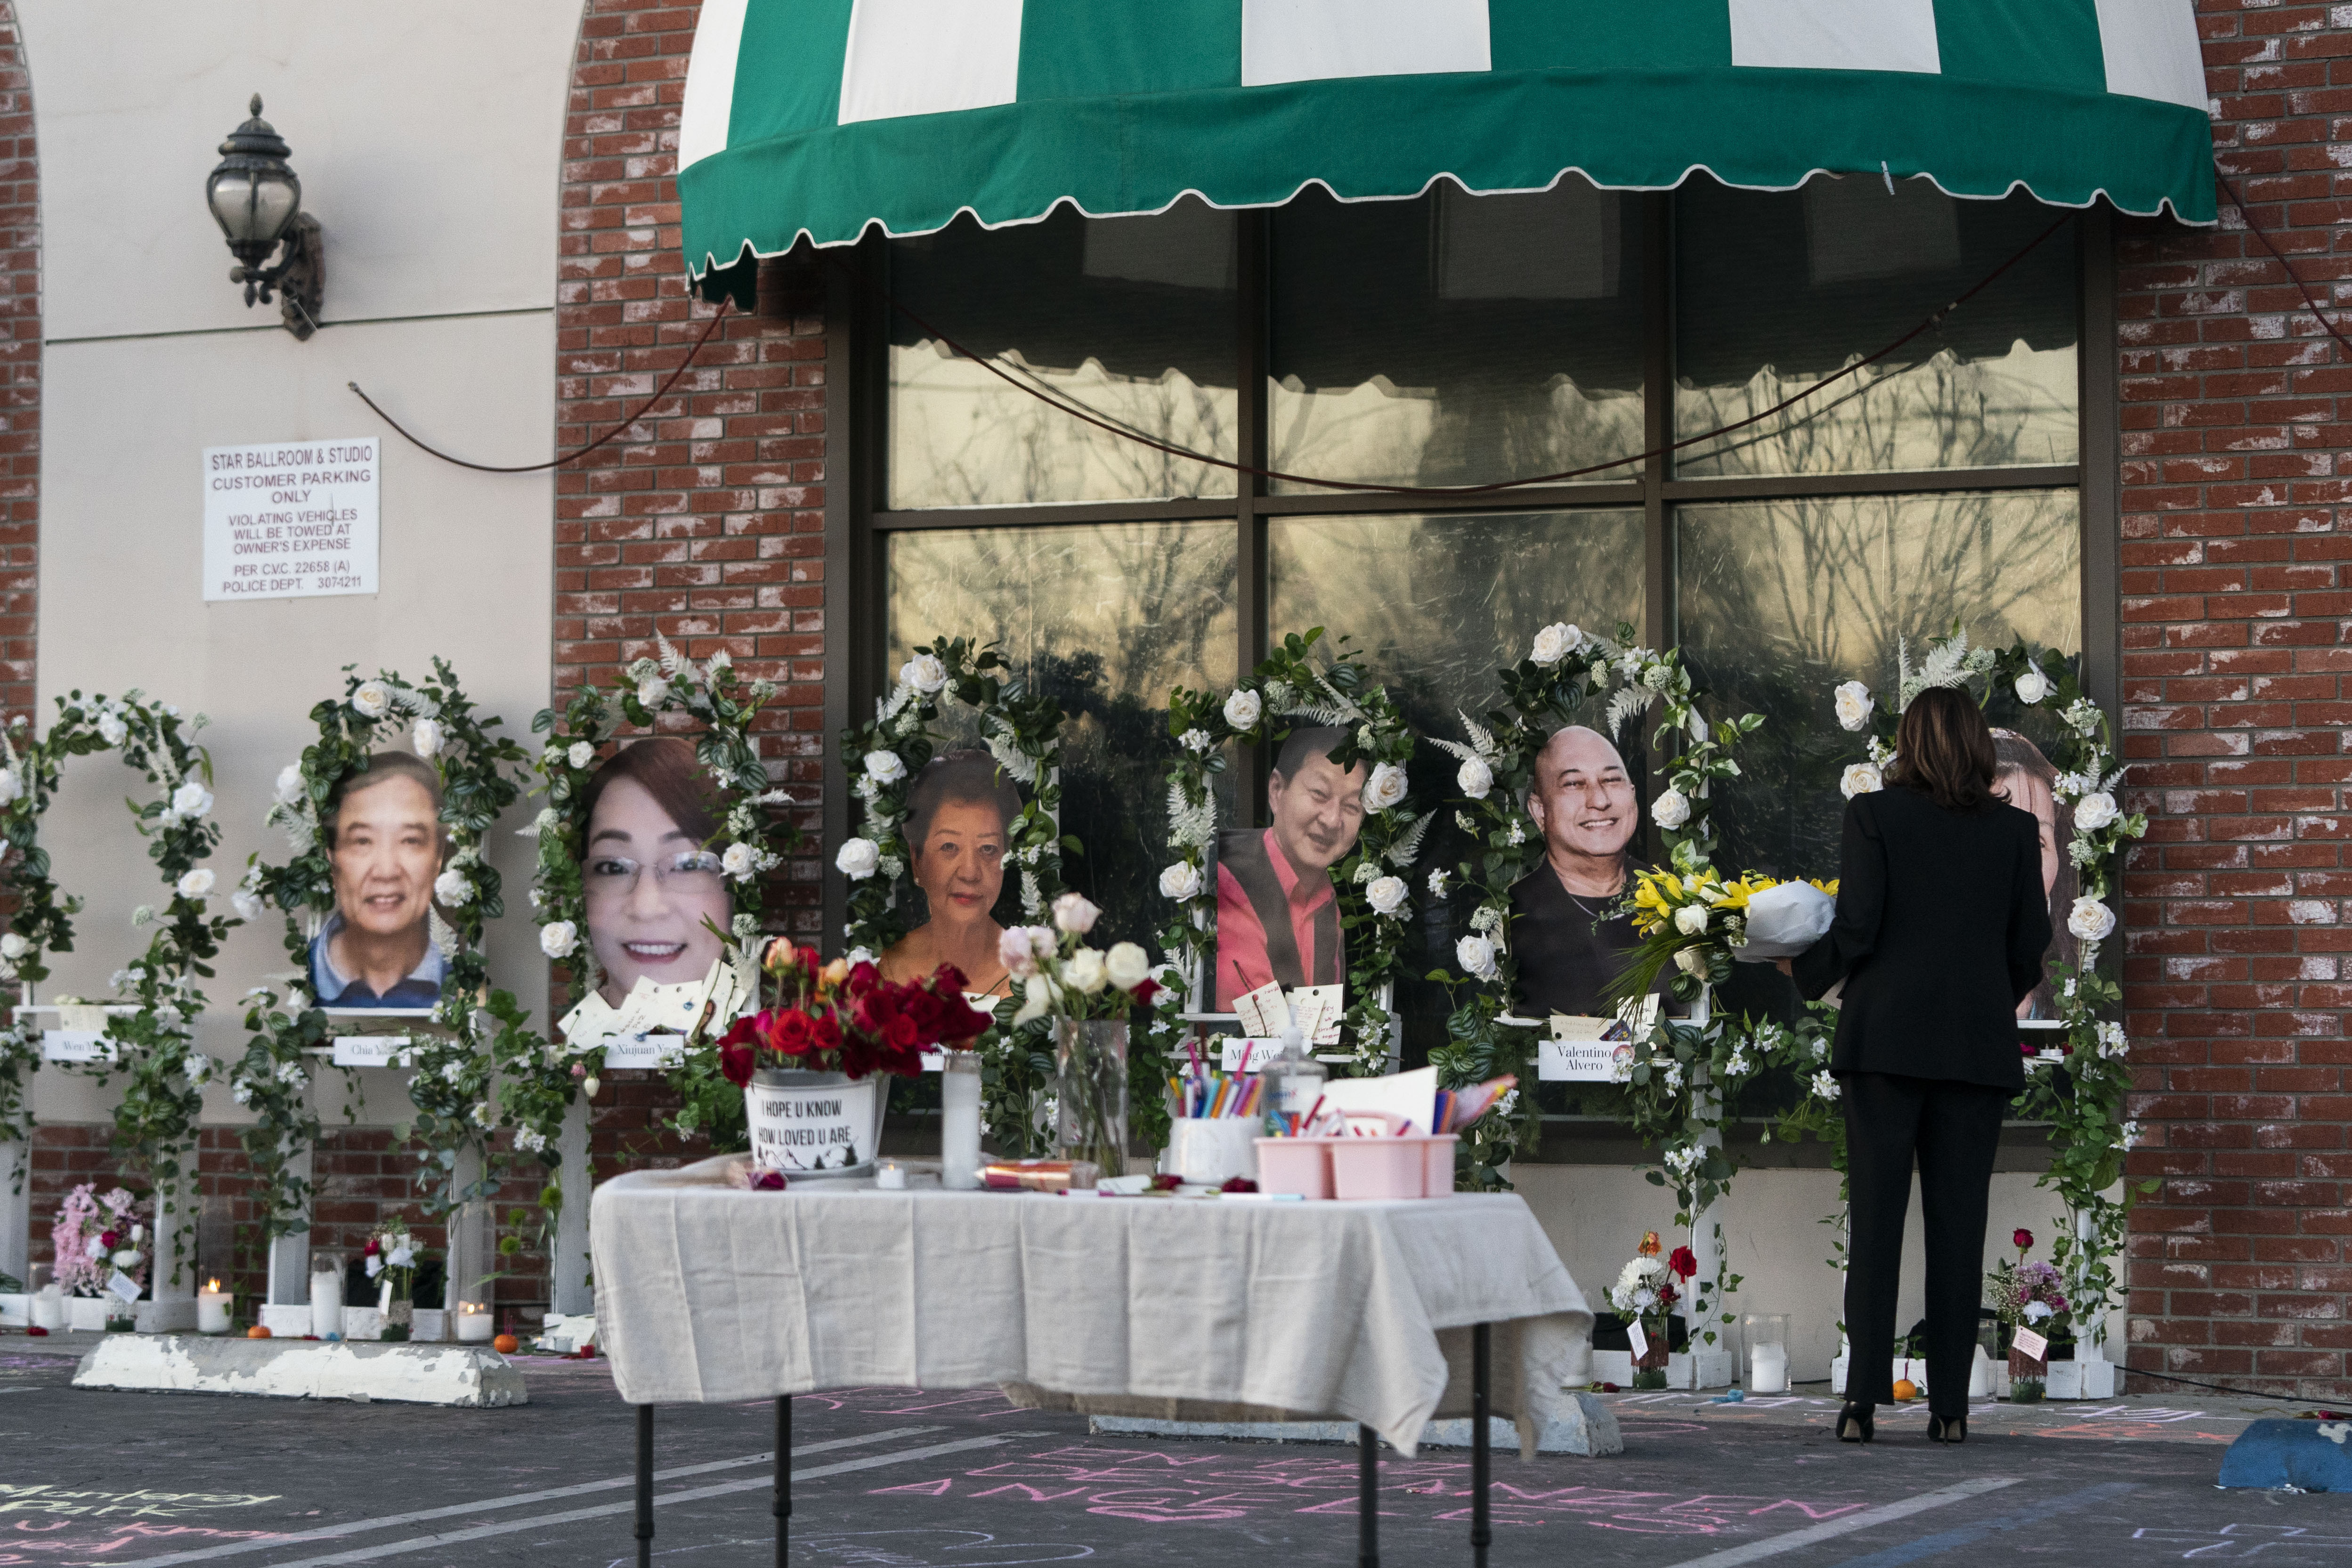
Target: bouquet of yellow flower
[{"x": 1697, "y": 922}]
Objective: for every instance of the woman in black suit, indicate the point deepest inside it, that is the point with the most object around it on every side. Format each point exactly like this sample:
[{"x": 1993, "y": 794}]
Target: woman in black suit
[{"x": 1940, "y": 930}]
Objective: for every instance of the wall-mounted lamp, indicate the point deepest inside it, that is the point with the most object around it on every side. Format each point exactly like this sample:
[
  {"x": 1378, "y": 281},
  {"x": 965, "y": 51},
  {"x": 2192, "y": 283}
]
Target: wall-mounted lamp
[{"x": 258, "y": 201}]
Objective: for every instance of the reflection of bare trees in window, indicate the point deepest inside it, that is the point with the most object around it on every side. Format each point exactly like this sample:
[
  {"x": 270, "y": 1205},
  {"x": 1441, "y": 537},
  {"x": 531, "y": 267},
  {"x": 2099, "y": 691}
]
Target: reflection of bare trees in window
[
  {"x": 1105, "y": 619},
  {"x": 1479, "y": 428}
]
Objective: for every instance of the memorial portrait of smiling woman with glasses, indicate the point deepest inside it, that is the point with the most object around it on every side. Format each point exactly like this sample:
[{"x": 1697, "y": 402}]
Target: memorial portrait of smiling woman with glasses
[{"x": 655, "y": 890}]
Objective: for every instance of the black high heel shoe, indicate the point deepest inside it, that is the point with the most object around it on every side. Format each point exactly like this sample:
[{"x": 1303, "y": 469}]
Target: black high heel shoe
[
  {"x": 1855, "y": 1424},
  {"x": 1947, "y": 1428}
]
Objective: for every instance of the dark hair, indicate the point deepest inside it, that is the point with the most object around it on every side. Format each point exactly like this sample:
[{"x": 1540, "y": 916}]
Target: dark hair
[
  {"x": 1311, "y": 740},
  {"x": 379, "y": 768},
  {"x": 2013, "y": 754},
  {"x": 971, "y": 778},
  {"x": 1943, "y": 748},
  {"x": 665, "y": 768}
]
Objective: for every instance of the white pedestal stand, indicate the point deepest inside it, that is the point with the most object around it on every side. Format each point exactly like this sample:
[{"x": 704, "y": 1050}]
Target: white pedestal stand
[
  {"x": 1715, "y": 1366},
  {"x": 569, "y": 1267}
]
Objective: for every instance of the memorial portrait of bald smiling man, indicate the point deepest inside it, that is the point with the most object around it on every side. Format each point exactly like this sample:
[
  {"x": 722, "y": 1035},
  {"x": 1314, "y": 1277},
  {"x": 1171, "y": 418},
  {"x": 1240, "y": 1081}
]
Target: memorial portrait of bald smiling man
[{"x": 1569, "y": 942}]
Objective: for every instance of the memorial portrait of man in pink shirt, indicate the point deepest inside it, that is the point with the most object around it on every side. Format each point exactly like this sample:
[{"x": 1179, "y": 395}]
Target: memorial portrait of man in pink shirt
[{"x": 1277, "y": 913}]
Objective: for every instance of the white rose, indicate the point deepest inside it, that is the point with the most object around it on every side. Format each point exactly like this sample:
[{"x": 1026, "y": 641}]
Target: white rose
[
  {"x": 2032, "y": 687},
  {"x": 452, "y": 889},
  {"x": 558, "y": 938},
  {"x": 885, "y": 767},
  {"x": 1181, "y": 881},
  {"x": 581, "y": 754},
  {"x": 1244, "y": 708},
  {"x": 198, "y": 883},
  {"x": 925, "y": 673},
  {"x": 652, "y": 692},
  {"x": 1691, "y": 961},
  {"x": 1384, "y": 788},
  {"x": 1127, "y": 966},
  {"x": 2094, "y": 811},
  {"x": 112, "y": 729},
  {"x": 1671, "y": 810},
  {"x": 1555, "y": 642},
  {"x": 372, "y": 700},
  {"x": 13, "y": 947},
  {"x": 1473, "y": 778},
  {"x": 247, "y": 906},
  {"x": 1086, "y": 972},
  {"x": 2090, "y": 919},
  {"x": 128, "y": 1258},
  {"x": 1074, "y": 913},
  {"x": 741, "y": 861},
  {"x": 1386, "y": 895},
  {"x": 1853, "y": 704},
  {"x": 1691, "y": 919},
  {"x": 192, "y": 799},
  {"x": 859, "y": 859},
  {"x": 427, "y": 738},
  {"x": 1860, "y": 778},
  {"x": 291, "y": 788},
  {"x": 1476, "y": 954}
]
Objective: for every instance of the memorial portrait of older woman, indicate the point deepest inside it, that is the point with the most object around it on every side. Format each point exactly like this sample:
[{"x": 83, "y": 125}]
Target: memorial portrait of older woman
[
  {"x": 654, "y": 886},
  {"x": 385, "y": 844},
  {"x": 960, "y": 816}
]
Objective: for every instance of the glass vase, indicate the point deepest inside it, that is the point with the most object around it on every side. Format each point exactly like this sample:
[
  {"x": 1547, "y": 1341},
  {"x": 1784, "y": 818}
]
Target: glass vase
[
  {"x": 1650, "y": 1371},
  {"x": 2027, "y": 1376},
  {"x": 1090, "y": 1091}
]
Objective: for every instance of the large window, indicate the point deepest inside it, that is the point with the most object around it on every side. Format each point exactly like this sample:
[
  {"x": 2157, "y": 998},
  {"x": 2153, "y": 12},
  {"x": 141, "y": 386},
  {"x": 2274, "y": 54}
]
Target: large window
[{"x": 1460, "y": 340}]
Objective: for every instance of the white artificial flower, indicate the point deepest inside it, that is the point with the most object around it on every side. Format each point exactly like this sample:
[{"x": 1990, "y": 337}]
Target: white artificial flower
[
  {"x": 530, "y": 1142},
  {"x": 2094, "y": 811},
  {"x": 652, "y": 692},
  {"x": 1691, "y": 919},
  {"x": 1244, "y": 708},
  {"x": 1473, "y": 777},
  {"x": 1386, "y": 895},
  {"x": 1385, "y": 788},
  {"x": 859, "y": 859},
  {"x": 197, "y": 1066},
  {"x": 372, "y": 700},
  {"x": 1739, "y": 1066},
  {"x": 1195, "y": 741},
  {"x": 1127, "y": 966},
  {"x": 375, "y": 1266},
  {"x": 427, "y": 738},
  {"x": 1181, "y": 881},
  {"x": 1086, "y": 972},
  {"x": 2091, "y": 921},
  {"x": 1555, "y": 643},
  {"x": 1437, "y": 884},
  {"x": 2032, "y": 687},
  {"x": 2129, "y": 1137},
  {"x": 13, "y": 947},
  {"x": 2113, "y": 1044},
  {"x": 1020, "y": 948},
  {"x": 1671, "y": 810},
  {"x": 1674, "y": 1077},
  {"x": 247, "y": 906},
  {"x": 1854, "y": 705},
  {"x": 925, "y": 673},
  {"x": 1476, "y": 954},
  {"x": 1691, "y": 961},
  {"x": 129, "y": 1258},
  {"x": 453, "y": 1072},
  {"x": 197, "y": 883},
  {"x": 402, "y": 1255},
  {"x": 580, "y": 754},
  {"x": 2036, "y": 1311},
  {"x": 558, "y": 938},
  {"x": 291, "y": 788},
  {"x": 452, "y": 889},
  {"x": 192, "y": 800},
  {"x": 1826, "y": 1086},
  {"x": 241, "y": 1091},
  {"x": 484, "y": 1116},
  {"x": 741, "y": 861},
  {"x": 1860, "y": 778},
  {"x": 885, "y": 767},
  {"x": 1074, "y": 913},
  {"x": 111, "y": 727}
]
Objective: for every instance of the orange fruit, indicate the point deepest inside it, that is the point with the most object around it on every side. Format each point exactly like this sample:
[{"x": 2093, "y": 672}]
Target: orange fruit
[
  {"x": 506, "y": 1345},
  {"x": 1906, "y": 1389},
  {"x": 257, "y": 1333}
]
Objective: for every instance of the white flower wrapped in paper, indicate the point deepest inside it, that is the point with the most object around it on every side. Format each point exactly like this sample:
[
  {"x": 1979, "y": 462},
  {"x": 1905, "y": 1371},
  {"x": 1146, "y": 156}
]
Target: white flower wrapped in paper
[
  {"x": 859, "y": 859},
  {"x": 1785, "y": 919},
  {"x": 2091, "y": 921},
  {"x": 1671, "y": 810},
  {"x": 1473, "y": 777},
  {"x": 1244, "y": 708},
  {"x": 2094, "y": 811},
  {"x": 1854, "y": 705},
  {"x": 1386, "y": 895},
  {"x": 1385, "y": 788}
]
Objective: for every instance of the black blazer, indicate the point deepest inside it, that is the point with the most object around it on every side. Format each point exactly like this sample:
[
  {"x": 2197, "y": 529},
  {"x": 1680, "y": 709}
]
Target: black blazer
[{"x": 1942, "y": 925}]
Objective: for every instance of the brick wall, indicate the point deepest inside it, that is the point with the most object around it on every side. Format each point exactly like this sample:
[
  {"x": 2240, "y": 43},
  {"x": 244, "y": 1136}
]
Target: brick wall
[
  {"x": 2237, "y": 603},
  {"x": 20, "y": 370}
]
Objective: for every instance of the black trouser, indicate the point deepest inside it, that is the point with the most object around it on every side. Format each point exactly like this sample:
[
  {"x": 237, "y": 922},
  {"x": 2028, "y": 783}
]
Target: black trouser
[{"x": 1953, "y": 1130}]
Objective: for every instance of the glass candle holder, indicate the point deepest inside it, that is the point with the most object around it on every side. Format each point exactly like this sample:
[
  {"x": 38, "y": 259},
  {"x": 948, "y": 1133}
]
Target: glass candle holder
[{"x": 1766, "y": 1336}]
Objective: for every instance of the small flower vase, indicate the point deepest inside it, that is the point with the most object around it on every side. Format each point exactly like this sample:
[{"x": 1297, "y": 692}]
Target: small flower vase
[
  {"x": 121, "y": 1317},
  {"x": 398, "y": 1320},
  {"x": 1090, "y": 1091},
  {"x": 2028, "y": 1376},
  {"x": 1650, "y": 1371}
]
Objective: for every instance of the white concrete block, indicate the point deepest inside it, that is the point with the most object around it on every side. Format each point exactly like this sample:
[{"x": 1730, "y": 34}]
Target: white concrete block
[
  {"x": 470, "y": 1375},
  {"x": 287, "y": 1320},
  {"x": 85, "y": 1314},
  {"x": 1613, "y": 1366},
  {"x": 173, "y": 1315}
]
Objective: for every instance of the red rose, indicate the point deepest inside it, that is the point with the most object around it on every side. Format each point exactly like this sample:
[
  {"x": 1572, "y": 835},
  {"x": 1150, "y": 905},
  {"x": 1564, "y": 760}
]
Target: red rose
[
  {"x": 735, "y": 1062},
  {"x": 373, "y": 1247},
  {"x": 106, "y": 1241},
  {"x": 2021, "y": 1239},
  {"x": 825, "y": 1033},
  {"x": 791, "y": 1034},
  {"x": 948, "y": 978},
  {"x": 863, "y": 977},
  {"x": 1683, "y": 1262},
  {"x": 1145, "y": 990},
  {"x": 900, "y": 1034}
]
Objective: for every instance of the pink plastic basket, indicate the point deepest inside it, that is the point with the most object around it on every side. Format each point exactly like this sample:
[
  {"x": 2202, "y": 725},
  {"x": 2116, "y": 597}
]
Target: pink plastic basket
[
  {"x": 1438, "y": 1176},
  {"x": 1392, "y": 1167},
  {"x": 1301, "y": 1165}
]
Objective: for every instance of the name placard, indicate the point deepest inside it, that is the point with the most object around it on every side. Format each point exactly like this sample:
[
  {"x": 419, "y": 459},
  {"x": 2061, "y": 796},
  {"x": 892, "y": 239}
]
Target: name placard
[
  {"x": 75, "y": 1045},
  {"x": 645, "y": 1051},
  {"x": 373, "y": 1051},
  {"x": 1581, "y": 1061}
]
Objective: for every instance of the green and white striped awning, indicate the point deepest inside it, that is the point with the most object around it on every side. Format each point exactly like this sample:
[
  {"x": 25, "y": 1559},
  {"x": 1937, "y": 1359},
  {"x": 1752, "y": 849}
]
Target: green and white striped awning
[{"x": 822, "y": 117}]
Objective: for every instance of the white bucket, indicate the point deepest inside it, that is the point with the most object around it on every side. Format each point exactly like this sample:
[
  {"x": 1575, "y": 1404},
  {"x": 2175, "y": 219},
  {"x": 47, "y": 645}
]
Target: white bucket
[
  {"x": 1214, "y": 1150},
  {"x": 814, "y": 1123}
]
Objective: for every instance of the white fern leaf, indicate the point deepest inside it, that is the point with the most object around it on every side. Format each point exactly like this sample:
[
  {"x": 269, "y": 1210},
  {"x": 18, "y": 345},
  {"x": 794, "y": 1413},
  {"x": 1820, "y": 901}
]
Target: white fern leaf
[
  {"x": 1320, "y": 713},
  {"x": 1190, "y": 823},
  {"x": 1355, "y": 714},
  {"x": 1629, "y": 704},
  {"x": 1946, "y": 662},
  {"x": 1022, "y": 769},
  {"x": 445, "y": 935},
  {"x": 1454, "y": 748},
  {"x": 673, "y": 664},
  {"x": 1408, "y": 843},
  {"x": 1479, "y": 736},
  {"x": 1033, "y": 898}
]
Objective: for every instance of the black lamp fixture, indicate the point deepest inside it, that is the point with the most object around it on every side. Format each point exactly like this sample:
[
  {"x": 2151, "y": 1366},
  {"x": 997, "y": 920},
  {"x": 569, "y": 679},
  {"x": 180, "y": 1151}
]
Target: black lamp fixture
[{"x": 258, "y": 201}]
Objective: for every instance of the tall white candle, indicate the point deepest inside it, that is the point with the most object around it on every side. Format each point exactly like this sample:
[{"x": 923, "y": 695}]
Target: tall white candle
[
  {"x": 960, "y": 1121},
  {"x": 212, "y": 1309},
  {"x": 326, "y": 1302},
  {"x": 1768, "y": 1370}
]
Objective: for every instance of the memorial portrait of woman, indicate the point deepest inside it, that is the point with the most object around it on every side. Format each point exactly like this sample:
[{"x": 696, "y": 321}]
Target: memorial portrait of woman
[
  {"x": 960, "y": 816},
  {"x": 2023, "y": 777},
  {"x": 384, "y": 845},
  {"x": 654, "y": 886}
]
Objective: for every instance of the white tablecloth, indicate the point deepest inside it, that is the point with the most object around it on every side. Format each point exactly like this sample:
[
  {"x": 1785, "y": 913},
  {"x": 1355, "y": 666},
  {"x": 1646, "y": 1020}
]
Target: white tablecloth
[{"x": 1178, "y": 1308}]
